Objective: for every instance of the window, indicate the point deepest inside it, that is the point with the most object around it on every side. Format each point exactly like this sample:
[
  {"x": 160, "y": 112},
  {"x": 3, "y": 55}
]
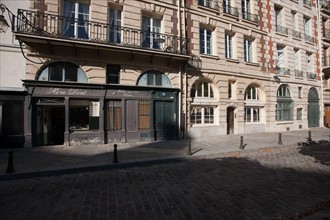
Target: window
[
  {"x": 308, "y": 62},
  {"x": 84, "y": 115},
  {"x": 284, "y": 104},
  {"x": 306, "y": 26},
  {"x": 114, "y": 25},
  {"x": 248, "y": 50},
  {"x": 150, "y": 32},
  {"x": 251, "y": 114},
  {"x": 113, "y": 74},
  {"x": 202, "y": 89},
  {"x": 144, "y": 115},
  {"x": 75, "y": 21},
  {"x": 202, "y": 115},
  {"x": 293, "y": 20},
  {"x": 229, "y": 46},
  {"x": 278, "y": 16},
  {"x": 299, "y": 92},
  {"x": 296, "y": 59},
  {"x": 246, "y": 8},
  {"x": 154, "y": 78},
  {"x": 229, "y": 90},
  {"x": 205, "y": 41},
  {"x": 114, "y": 114},
  {"x": 252, "y": 93},
  {"x": 64, "y": 72},
  {"x": 299, "y": 113},
  {"x": 280, "y": 56}
]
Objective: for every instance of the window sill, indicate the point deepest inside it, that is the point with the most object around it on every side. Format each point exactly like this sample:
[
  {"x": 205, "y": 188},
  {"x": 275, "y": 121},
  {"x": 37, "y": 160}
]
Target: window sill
[
  {"x": 252, "y": 64},
  {"x": 210, "y": 56},
  {"x": 284, "y": 122},
  {"x": 296, "y": 38},
  {"x": 202, "y": 125},
  {"x": 231, "y": 60},
  {"x": 281, "y": 34}
]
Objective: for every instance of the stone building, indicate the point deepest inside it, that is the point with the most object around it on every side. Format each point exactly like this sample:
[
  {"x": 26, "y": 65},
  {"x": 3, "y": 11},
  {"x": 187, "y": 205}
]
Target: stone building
[{"x": 124, "y": 70}]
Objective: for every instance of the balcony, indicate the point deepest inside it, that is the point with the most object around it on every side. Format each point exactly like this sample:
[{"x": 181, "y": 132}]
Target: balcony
[
  {"x": 284, "y": 71},
  {"x": 209, "y": 4},
  {"x": 296, "y": 34},
  {"x": 250, "y": 17},
  {"x": 309, "y": 38},
  {"x": 307, "y": 3},
  {"x": 311, "y": 75},
  {"x": 194, "y": 62},
  {"x": 35, "y": 28},
  {"x": 298, "y": 73},
  {"x": 281, "y": 29},
  {"x": 227, "y": 9}
]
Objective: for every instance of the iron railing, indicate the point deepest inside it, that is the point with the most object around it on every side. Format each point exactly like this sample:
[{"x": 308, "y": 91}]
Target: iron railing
[
  {"x": 311, "y": 75},
  {"x": 249, "y": 16},
  {"x": 194, "y": 62},
  {"x": 209, "y": 3},
  {"x": 296, "y": 34},
  {"x": 326, "y": 33},
  {"x": 307, "y": 3},
  {"x": 284, "y": 71},
  {"x": 309, "y": 38},
  {"x": 281, "y": 29},
  {"x": 298, "y": 73},
  {"x": 230, "y": 10},
  {"x": 54, "y": 26}
]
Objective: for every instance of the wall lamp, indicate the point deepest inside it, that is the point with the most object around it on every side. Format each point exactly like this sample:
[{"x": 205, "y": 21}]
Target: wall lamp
[{"x": 3, "y": 22}]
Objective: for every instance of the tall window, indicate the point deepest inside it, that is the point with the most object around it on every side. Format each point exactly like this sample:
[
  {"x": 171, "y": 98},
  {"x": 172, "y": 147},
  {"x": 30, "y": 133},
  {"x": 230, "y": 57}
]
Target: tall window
[
  {"x": 306, "y": 26},
  {"x": 144, "y": 114},
  {"x": 205, "y": 41},
  {"x": 280, "y": 56},
  {"x": 64, "y": 72},
  {"x": 114, "y": 25},
  {"x": 296, "y": 59},
  {"x": 229, "y": 46},
  {"x": 248, "y": 57},
  {"x": 246, "y": 8},
  {"x": 308, "y": 62},
  {"x": 278, "y": 17},
  {"x": 293, "y": 20},
  {"x": 114, "y": 114},
  {"x": 154, "y": 78},
  {"x": 150, "y": 32},
  {"x": 284, "y": 104},
  {"x": 75, "y": 23},
  {"x": 252, "y": 107}
]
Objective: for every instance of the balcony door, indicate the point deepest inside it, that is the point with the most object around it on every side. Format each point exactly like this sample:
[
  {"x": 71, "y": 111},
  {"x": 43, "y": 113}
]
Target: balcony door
[
  {"x": 150, "y": 32},
  {"x": 75, "y": 19}
]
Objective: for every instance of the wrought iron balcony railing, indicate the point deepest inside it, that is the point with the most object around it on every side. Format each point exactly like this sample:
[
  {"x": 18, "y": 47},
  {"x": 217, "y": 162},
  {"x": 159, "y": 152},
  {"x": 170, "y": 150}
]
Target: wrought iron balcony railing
[
  {"x": 194, "y": 62},
  {"x": 296, "y": 34},
  {"x": 284, "y": 71},
  {"x": 209, "y": 3},
  {"x": 230, "y": 10},
  {"x": 298, "y": 73},
  {"x": 54, "y": 26},
  {"x": 307, "y": 3},
  {"x": 311, "y": 75},
  {"x": 281, "y": 29},
  {"x": 309, "y": 38},
  {"x": 249, "y": 16},
  {"x": 326, "y": 33}
]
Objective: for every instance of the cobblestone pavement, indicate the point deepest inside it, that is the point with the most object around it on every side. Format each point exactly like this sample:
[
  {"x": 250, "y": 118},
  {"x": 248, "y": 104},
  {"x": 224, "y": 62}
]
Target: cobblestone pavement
[{"x": 264, "y": 184}]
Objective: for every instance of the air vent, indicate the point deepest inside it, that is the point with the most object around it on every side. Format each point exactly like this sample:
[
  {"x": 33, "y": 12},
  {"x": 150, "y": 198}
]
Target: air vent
[{"x": 287, "y": 128}]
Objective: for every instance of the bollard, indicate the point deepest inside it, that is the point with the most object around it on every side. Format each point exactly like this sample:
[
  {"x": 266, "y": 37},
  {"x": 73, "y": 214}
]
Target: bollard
[
  {"x": 10, "y": 167},
  {"x": 280, "y": 139},
  {"x": 115, "y": 156},
  {"x": 241, "y": 144},
  {"x": 309, "y": 136},
  {"x": 189, "y": 147}
]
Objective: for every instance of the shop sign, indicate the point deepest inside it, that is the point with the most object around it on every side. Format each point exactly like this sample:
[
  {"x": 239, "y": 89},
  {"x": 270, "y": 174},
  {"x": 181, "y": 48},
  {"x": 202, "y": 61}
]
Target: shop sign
[{"x": 60, "y": 91}]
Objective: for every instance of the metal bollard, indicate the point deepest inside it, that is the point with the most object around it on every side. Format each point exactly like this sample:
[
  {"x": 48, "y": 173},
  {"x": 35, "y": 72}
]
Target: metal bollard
[
  {"x": 241, "y": 143},
  {"x": 189, "y": 147},
  {"x": 280, "y": 138},
  {"x": 115, "y": 156},
  {"x": 309, "y": 136},
  {"x": 10, "y": 167}
]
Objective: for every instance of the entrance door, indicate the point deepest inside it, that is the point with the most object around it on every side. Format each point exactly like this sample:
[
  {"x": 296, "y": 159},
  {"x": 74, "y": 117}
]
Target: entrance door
[
  {"x": 230, "y": 120},
  {"x": 165, "y": 121},
  {"x": 313, "y": 108},
  {"x": 50, "y": 125}
]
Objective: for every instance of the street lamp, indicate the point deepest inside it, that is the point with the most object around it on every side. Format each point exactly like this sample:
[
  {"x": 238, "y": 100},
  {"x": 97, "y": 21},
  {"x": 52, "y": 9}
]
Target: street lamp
[{"x": 3, "y": 22}]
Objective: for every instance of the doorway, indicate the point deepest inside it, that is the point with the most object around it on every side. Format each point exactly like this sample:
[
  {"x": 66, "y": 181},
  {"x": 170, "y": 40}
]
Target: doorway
[
  {"x": 50, "y": 125},
  {"x": 230, "y": 120},
  {"x": 313, "y": 108},
  {"x": 165, "y": 121}
]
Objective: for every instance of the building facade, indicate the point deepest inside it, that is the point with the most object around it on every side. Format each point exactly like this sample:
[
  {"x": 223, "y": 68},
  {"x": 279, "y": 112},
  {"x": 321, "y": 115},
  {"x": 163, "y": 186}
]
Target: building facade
[{"x": 117, "y": 71}]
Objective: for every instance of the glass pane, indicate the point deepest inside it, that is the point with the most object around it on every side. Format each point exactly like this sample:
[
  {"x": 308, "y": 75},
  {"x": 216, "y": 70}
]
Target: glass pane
[
  {"x": 206, "y": 89},
  {"x": 158, "y": 79},
  {"x": 79, "y": 115},
  {"x": 56, "y": 72},
  {"x": 199, "y": 89},
  {"x": 70, "y": 73}
]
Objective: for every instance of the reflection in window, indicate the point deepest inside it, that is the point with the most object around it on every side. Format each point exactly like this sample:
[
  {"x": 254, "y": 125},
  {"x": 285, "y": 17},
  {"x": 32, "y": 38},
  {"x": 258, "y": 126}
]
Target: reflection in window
[
  {"x": 84, "y": 115},
  {"x": 154, "y": 78},
  {"x": 63, "y": 72}
]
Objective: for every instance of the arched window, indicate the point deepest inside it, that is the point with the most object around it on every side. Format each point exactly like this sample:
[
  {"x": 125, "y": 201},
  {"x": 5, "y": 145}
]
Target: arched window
[
  {"x": 154, "y": 78},
  {"x": 252, "y": 107},
  {"x": 202, "y": 89},
  {"x": 63, "y": 72},
  {"x": 284, "y": 106}
]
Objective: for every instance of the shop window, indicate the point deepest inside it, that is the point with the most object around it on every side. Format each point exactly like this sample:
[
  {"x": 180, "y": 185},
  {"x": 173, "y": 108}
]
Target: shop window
[
  {"x": 113, "y": 74},
  {"x": 114, "y": 114},
  {"x": 63, "y": 72},
  {"x": 84, "y": 115},
  {"x": 144, "y": 114},
  {"x": 154, "y": 78}
]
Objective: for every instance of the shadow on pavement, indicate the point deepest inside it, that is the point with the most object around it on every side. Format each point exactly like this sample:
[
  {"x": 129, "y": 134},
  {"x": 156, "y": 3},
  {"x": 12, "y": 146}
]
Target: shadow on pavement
[{"x": 319, "y": 150}]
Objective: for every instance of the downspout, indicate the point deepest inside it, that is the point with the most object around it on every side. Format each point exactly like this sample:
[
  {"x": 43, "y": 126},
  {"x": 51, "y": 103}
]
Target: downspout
[
  {"x": 185, "y": 69},
  {"x": 180, "y": 72}
]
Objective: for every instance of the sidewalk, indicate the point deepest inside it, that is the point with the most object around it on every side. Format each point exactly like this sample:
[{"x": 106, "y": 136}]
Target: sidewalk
[{"x": 54, "y": 160}]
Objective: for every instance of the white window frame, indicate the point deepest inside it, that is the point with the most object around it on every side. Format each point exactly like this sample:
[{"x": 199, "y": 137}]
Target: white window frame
[
  {"x": 205, "y": 41},
  {"x": 203, "y": 115},
  {"x": 254, "y": 114},
  {"x": 117, "y": 23},
  {"x": 229, "y": 41},
  {"x": 153, "y": 29},
  {"x": 248, "y": 50},
  {"x": 280, "y": 56}
]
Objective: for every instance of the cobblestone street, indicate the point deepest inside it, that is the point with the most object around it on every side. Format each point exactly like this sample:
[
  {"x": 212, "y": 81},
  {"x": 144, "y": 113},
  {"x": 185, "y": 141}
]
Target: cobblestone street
[{"x": 264, "y": 184}]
